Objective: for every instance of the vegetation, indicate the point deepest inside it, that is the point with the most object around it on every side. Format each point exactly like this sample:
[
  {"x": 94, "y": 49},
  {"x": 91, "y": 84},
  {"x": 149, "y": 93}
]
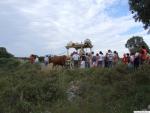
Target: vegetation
[
  {"x": 141, "y": 11},
  {"x": 4, "y": 53},
  {"x": 135, "y": 44},
  {"x": 24, "y": 88}
]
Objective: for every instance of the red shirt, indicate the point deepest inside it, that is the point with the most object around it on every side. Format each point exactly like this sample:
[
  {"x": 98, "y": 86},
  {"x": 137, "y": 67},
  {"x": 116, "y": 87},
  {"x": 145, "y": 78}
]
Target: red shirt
[
  {"x": 144, "y": 54},
  {"x": 125, "y": 60}
]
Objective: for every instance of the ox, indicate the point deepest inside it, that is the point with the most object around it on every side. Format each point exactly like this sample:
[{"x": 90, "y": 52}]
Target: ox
[{"x": 58, "y": 60}]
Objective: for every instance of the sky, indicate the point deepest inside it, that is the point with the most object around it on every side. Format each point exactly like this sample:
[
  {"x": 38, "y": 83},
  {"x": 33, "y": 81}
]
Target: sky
[{"x": 46, "y": 26}]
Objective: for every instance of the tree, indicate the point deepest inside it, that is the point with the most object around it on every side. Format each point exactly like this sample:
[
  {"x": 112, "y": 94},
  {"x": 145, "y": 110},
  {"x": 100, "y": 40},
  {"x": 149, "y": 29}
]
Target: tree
[
  {"x": 135, "y": 44},
  {"x": 141, "y": 11},
  {"x": 4, "y": 53}
]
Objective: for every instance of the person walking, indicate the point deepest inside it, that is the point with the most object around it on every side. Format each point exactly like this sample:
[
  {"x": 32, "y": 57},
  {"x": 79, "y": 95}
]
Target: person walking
[
  {"x": 143, "y": 54},
  {"x": 93, "y": 60},
  {"x": 106, "y": 60},
  {"x": 131, "y": 63},
  {"x": 87, "y": 60},
  {"x": 46, "y": 60},
  {"x": 36, "y": 60},
  {"x": 76, "y": 59},
  {"x": 115, "y": 58},
  {"x": 101, "y": 59},
  {"x": 125, "y": 59},
  {"x": 128, "y": 58},
  {"x": 136, "y": 60},
  {"x": 97, "y": 59},
  {"x": 32, "y": 59},
  {"x": 110, "y": 59},
  {"x": 83, "y": 59}
]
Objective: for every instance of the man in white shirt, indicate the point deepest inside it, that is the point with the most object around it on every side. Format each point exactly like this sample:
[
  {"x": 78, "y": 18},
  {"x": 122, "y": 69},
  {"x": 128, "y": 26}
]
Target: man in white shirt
[
  {"x": 36, "y": 60},
  {"x": 101, "y": 59},
  {"x": 46, "y": 60},
  {"x": 76, "y": 59},
  {"x": 110, "y": 58}
]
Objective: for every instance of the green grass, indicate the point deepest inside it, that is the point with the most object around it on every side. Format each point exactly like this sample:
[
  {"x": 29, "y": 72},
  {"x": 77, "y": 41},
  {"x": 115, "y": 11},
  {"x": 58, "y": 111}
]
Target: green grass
[{"x": 24, "y": 88}]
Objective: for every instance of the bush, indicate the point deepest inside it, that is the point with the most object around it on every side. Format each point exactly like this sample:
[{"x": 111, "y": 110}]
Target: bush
[
  {"x": 27, "y": 89},
  {"x": 8, "y": 64},
  {"x": 4, "y": 53}
]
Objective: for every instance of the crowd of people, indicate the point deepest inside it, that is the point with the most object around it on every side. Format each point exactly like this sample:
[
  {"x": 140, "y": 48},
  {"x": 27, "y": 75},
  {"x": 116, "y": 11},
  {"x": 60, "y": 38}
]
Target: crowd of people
[
  {"x": 88, "y": 60},
  {"x": 34, "y": 59},
  {"x": 110, "y": 59},
  {"x": 134, "y": 60}
]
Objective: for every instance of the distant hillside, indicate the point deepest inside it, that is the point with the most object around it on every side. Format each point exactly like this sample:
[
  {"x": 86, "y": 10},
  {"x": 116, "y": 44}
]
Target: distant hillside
[{"x": 4, "y": 53}]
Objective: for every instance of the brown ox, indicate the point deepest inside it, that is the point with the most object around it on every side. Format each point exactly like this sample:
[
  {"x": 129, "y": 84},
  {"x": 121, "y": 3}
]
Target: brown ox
[{"x": 58, "y": 60}]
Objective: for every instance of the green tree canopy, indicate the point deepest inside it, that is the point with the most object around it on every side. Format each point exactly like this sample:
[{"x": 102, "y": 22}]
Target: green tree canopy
[
  {"x": 141, "y": 11},
  {"x": 135, "y": 44},
  {"x": 4, "y": 53}
]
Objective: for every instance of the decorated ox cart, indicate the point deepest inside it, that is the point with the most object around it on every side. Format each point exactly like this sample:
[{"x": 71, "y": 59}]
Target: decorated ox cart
[{"x": 80, "y": 48}]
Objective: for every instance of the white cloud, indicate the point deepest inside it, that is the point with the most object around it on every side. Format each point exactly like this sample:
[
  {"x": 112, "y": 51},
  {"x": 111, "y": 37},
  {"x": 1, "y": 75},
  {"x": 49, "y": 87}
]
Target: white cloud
[{"x": 48, "y": 25}]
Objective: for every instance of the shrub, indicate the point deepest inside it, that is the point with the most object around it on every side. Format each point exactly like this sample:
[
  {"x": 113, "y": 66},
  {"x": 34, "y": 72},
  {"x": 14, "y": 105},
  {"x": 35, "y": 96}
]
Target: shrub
[
  {"x": 27, "y": 89},
  {"x": 4, "y": 53}
]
